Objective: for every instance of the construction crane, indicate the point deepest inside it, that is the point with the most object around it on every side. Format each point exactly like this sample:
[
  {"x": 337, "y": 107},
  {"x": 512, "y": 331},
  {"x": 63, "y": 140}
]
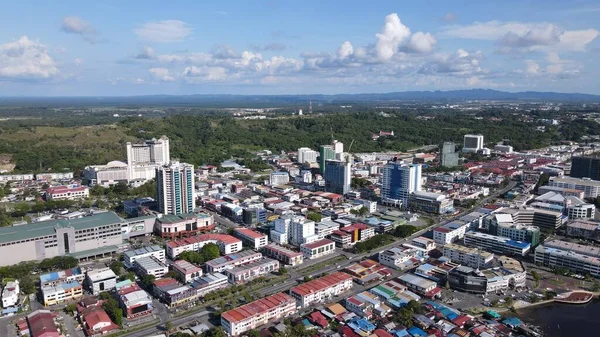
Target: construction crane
[{"x": 349, "y": 153}]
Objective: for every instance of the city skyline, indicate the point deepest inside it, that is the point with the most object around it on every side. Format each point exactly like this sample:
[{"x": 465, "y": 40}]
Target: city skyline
[{"x": 271, "y": 47}]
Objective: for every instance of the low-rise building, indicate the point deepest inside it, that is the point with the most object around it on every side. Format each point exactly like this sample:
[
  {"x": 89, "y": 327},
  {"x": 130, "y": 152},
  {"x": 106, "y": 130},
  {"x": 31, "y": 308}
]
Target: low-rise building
[
  {"x": 252, "y": 238},
  {"x": 260, "y": 312},
  {"x": 209, "y": 283},
  {"x": 367, "y": 305},
  {"x": 57, "y": 277},
  {"x": 227, "y": 244},
  {"x": 471, "y": 257},
  {"x": 97, "y": 281},
  {"x": 430, "y": 203},
  {"x": 10, "y": 294},
  {"x": 590, "y": 188},
  {"x": 422, "y": 243},
  {"x": 134, "y": 301},
  {"x": 63, "y": 292},
  {"x": 183, "y": 225},
  {"x": 97, "y": 323},
  {"x": 250, "y": 271},
  {"x": 321, "y": 289},
  {"x": 41, "y": 324},
  {"x": 575, "y": 261},
  {"x": 186, "y": 272},
  {"x": 584, "y": 229},
  {"x": 581, "y": 210},
  {"x": 67, "y": 193},
  {"x": 401, "y": 258},
  {"x": 282, "y": 254},
  {"x": 497, "y": 244},
  {"x": 450, "y": 232},
  {"x": 150, "y": 265},
  {"x": 367, "y": 271},
  {"x": 503, "y": 225},
  {"x": 173, "y": 293},
  {"x": 421, "y": 286},
  {"x": 232, "y": 260},
  {"x": 317, "y": 249},
  {"x": 130, "y": 256}
]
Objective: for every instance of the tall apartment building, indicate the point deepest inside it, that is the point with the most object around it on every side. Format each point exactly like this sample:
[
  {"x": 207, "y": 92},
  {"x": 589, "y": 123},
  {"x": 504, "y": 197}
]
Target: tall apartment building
[
  {"x": 307, "y": 155},
  {"x": 338, "y": 176},
  {"x": 175, "y": 188},
  {"x": 448, "y": 155},
  {"x": 472, "y": 143},
  {"x": 326, "y": 152},
  {"x": 585, "y": 167},
  {"x": 260, "y": 312},
  {"x": 398, "y": 181}
]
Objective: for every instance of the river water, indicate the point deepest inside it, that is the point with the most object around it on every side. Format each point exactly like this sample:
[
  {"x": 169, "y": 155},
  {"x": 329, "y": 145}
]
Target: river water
[{"x": 565, "y": 320}]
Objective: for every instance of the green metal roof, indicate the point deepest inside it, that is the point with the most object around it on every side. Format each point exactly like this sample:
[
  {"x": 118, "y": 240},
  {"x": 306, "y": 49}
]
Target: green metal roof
[
  {"x": 45, "y": 228},
  {"x": 170, "y": 218}
]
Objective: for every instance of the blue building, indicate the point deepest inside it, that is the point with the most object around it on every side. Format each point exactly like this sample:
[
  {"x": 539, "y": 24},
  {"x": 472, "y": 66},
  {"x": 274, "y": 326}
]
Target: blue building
[
  {"x": 254, "y": 215},
  {"x": 338, "y": 176},
  {"x": 399, "y": 180},
  {"x": 175, "y": 188}
]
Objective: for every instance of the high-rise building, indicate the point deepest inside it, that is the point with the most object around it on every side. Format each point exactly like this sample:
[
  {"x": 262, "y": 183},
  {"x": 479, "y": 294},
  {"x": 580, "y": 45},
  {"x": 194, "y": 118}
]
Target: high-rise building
[
  {"x": 326, "y": 152},
  {"x": 306, "y": 155},
  {"x": 448, "y": 155},
  {"x": 585, "y": 167},
  {"x": 338, "y": 176},
  {"x": 399, "y": 180},
  {"x": 473, "y": 143},
  {"x": 175, "y": 188},
  {"x": 151, "y": 151},
  {"x": 338, "y": 148}
]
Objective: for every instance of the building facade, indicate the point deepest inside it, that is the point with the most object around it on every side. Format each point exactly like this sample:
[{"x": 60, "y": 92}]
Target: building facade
[
  {"x": 317, "y": 249},
  {"x": 471, "y": 257},
  {"x": 338, "y": 176},
  {"x": 227, "y": 244},
  {"x": 307, "y": 155},
  {"x": 255, "y": 314},
  {"x": 398, "y": 181},
  {"x": 175, "y": 188},
  {"x": 497, "y": 244},
  {"x": 282, "y": 254},
  {"x": 326, "y": 152},
  {"x": 585, "y": 167},
  {"x": 321, "y": 289},
  {"x": 448, "y": 155},
  {"x": 252, "y": 238},
  {"x": 472, "y": 143},
  {"x": 100, "y": 280}
]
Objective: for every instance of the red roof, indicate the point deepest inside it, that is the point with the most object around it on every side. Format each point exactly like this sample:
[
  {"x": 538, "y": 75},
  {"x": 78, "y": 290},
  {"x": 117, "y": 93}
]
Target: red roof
[
  {"x": 354, "y": 227},
  {"x": 461, "y": 320},
  {"x": 41, "y": 324},
  {"x": 382, "y": 333},
  {"x": 318, "y": 318},
  {"x": 64, "y": 189},
  {"x": 346, "y": 331},
  {"x": 340, "y": 233},
  {"x": 257, "y": 307},
  {"x": 317, "y": 244},
  {"x": 442, "y": 230},
  {"x": 95, "y": 317},
  {"x": 321, "y": 283},
  {"x": 249, "y": 233}
]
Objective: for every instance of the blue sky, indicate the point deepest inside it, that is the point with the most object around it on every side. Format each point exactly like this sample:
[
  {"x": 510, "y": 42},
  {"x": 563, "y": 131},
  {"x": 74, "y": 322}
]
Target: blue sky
[{"x": 75, "y": 48}]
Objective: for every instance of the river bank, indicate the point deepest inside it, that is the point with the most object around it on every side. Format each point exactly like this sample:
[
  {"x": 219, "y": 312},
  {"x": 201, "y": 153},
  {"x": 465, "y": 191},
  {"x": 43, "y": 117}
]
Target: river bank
[{"x": 564, "y": 320}]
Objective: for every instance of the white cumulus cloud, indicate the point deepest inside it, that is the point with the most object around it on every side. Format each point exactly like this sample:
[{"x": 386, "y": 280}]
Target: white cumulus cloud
[
  {"x": 25, "y": 58},
  {"x": 345, "y": 50},
  {"x": 164, "y": 31},
  {"x": 422, "y": 42},
  {"x": 161, "y": 74},
  {"x": 78, "y": 26},
  {"x": 392, "y": 35}
]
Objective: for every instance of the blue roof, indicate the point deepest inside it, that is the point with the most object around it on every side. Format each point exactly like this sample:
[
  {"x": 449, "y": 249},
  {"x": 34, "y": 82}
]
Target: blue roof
[
  {"x": 55, "y": 275},
  {"x": 361, "y": 324},
  {"x": 401, "y": 333},
  {"x": 512, "y": 321},
  {"x": 415, "y": 331},
  {"x": 518, "y": 244}
]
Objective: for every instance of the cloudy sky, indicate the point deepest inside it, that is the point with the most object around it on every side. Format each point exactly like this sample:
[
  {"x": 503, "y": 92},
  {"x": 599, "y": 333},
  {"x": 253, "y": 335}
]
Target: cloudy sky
[{"x": 66, "y": 48}]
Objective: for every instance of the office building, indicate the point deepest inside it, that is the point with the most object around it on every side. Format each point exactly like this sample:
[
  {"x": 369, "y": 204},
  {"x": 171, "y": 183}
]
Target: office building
[
  {"x": 590, "y": 188},
  {"x": 229, "y": 261},
  {"x": 100, "y": 280},
  {"x": 503, "y": 225},
  {"x": 209, "y": 283},
  {"x": 450, "y": 232},
  {"x": 301, "y": 230},
  {"x": 255, "y": 314},
  {"x": 448, "y": 155},
  {"x": 85, "y": 237},
  {"x": 471, "y": 257},
  {"x": 585, "y": 167},
  {"x": 398, "y": 181},
  {"x": 578, "y": 209},
  {"x": 503, "y": 148},
  {"x": 130, "y": 256},
  {"x": 183, "y": 225},
  {"x": 67, "y": 193},
  {"x": 326, "y": 152},
  {"x": 509, "y": 274},
  {"x": 279, "y": 178},
  {"x": 565, "y": 192},
  {"x": 306, "y": 155},
  {"x": 227, "y": 244},
  {"x": 420, "y": 285},
  {"x": 186, "y": 272},
  {"x": 248, "y": 272},
  {"x": 584, "y": 229},
  {"x": 542, "y": 218},
  {"x": 429, "y": 202},
  {"x": 497, "y": 244},
  {"x": 175, "y": 188},
  {"x": 472, "y": 143},
  {"x": 338, "y": 148},
  {"x": 338, "y": 176},
  {"x": 401, "y": 258},
  {"x": 149, "y": 152},
  {"x": 173, "y": 293},
  {"x": 282, "y": 254},
  {"x": 565, "y": 258},
  {"x": 254, "y": 214},
  {"x": 251, "y": 238},
  {"x": 322, "y": 289},
  {"x": 317, "y": 249}
]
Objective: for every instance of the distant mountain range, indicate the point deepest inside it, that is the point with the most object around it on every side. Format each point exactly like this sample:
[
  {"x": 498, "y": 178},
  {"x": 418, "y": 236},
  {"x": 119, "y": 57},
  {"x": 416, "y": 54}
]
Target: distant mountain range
[{"x": 224, "y": 100}]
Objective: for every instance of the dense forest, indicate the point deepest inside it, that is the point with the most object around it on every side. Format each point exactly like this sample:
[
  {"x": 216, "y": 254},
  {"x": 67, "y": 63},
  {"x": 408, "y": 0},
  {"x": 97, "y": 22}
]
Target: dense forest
[{"x": 202, "y": 138}]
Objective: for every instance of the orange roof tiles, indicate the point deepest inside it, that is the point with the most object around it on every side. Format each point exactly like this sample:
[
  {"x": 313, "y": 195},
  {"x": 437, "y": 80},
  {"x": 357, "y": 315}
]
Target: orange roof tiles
[
  {"x": 321, "y": 283},
  {"x": 249, "y": 233},
  {"x": 257, "y": 307}
]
